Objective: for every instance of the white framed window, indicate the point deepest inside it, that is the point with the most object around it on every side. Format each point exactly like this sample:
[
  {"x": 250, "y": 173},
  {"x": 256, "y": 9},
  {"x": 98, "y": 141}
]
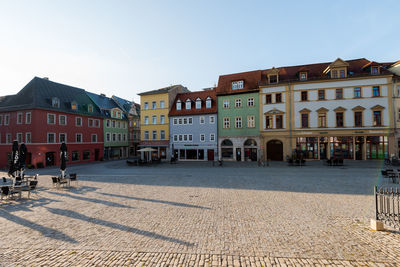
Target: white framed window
[
  {"x": 185, "y": 137},
  {"x": 212, "y": 119},
  {"x": 118, "y": 124},
  {"x": 185, "y": 121},
  {"x": 178, "y": 105},
  {"x": 175, "y": 137},
  {"x": 162, "y": 104},
  {"x": 198, "y": 103},
  {"x": 94, "y": 138},
  {"x": 90, "y": 123},
  {"x": 154, "y": 135},
  {"x": 180, "y": 121},
  {"x": 180, "y": 138},
  {"x": 190, "y": 120},
  {"x": 251, "y": 122},
  {"x": 1, "y": 119},
  {"x": 175, "y": 121},
  {"x": 146, "y": 105},
  {"x": 208, "y": 102},
  {"x": 62, "y": 137},
  {"x": 97, "y": 123},
  {"x": 108, "y": 137},
  {"x": 108, "y": 123},
  {"x": 146, "y": 120},
  {"x": 226, "y": 103},
  {"x": 154, "y": 105},
  {"x": 190, "y": 137},
  {"x": 78, "y": 121},
  {"x": 202, "y": 137},
  {"x": 119, "y": 137},
  {"x": 62, "y": 120},
  {"x": 154, "y": 119},
  {"x": 78, "y": 138},
  {"x": 19, "y": 118},
  {"x": 202, "y": 120},
  {"x": 114, "y": 124},
  {"x": 28, "y": 138},
  {"x": 227, "y": 123},
  {"x": 237, "y": 85},
  {"x": 51, "y": 138},
  {"x": 188, "y": 104},
  {"x": 7, "y": 119},
  {"x": 51, "y": 118},
  {"x": 162, "y": 119},
  {"x": 238, "y": 103},
  {"x": 238, "y": 122},
  {"x": 250, "y": 102},
  {"x": 212, "y": 137},
  {"x": 19, "y": 137},
  {"x": 8, "y": 138},
  {"x": 146, "y": 135}
]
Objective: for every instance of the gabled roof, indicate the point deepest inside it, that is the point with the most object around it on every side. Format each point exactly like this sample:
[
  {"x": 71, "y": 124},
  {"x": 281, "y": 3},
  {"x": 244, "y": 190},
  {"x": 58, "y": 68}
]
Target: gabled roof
[
  {"x": 124, "y": 104},
  {"x": 250, "y": 82},
  {"x": 193, "y": 96},
  {"x": 105, "y": 104},
  {"x": 39, "y": 92},
  {"x": 165, "y": 90}
]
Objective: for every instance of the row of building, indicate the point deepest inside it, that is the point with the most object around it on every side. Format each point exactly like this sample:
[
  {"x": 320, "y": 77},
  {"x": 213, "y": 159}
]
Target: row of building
[{"x": 348, "y": 109}]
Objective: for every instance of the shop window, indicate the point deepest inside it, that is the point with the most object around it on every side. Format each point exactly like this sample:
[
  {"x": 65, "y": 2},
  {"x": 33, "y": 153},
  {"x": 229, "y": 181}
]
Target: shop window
[
  {"x": 75, "y": 156},
  {"x": 227, "y": 149},
  {"x": 86, "y": 155}
]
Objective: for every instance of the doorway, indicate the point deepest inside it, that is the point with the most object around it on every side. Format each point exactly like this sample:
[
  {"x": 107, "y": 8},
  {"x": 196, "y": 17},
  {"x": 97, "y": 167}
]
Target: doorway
[
  {"x": 50, "y": 159},
  {"x": 96, "y": 154},
  {"x": 210, "y": 154},
  {"x": 275, "y": 150},
  {"x": 238, "y": 154}
]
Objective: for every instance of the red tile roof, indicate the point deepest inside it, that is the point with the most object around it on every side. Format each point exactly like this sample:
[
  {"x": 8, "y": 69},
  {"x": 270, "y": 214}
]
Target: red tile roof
[
  {"x": 203, "y": 95},
  {"x": 250, "y": 79}
]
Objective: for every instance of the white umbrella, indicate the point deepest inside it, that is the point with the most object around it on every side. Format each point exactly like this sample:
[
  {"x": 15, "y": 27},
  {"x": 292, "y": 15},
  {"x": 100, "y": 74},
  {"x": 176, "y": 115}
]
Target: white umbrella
[{"x": 147, "y": 149}]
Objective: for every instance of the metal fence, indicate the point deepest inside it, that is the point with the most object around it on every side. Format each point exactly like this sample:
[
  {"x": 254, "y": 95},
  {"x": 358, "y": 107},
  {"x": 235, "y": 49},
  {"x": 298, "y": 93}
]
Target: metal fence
[{"x": 387, "y": 206}]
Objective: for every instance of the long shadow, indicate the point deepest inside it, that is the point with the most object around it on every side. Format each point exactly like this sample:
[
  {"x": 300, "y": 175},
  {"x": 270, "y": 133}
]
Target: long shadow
[
  {"x": 79, "y": 216},
  {"x": 47, "y": 232},
  {"x": 157, "y": 201},
  {"x": 94, "y": 200},
  {"x": 26, "y": 204}
]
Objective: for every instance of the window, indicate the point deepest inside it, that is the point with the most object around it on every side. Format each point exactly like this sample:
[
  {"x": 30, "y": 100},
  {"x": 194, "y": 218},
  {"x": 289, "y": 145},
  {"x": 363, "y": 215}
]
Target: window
[
  {"x": 113, "y": 124},
  {"x": 162, "y": 135},
  {"x": 339, "y": 93},
  {"x": 162, "y": 104},
  {"x": 304, "y": 120},
  {"x": 90, "y": 108},
  {"x": 51, "y": 118},
  {"x": 185, "y": 137},
  {"x": 202, "y": 120},
  {"x": 97, "y": 123},
  {"x": 208, "y": 102},
  {"x": 86, "y": 155},
  {"x": 268, "y": 99},
  {"x": 237, "y": 85},
  {"x": 377, "y": 118},
  {"x": 279, "y": 121},
  {"x": 374, "y": 70},
  {"x": 180, "y": 138},
  {"x": 19, "y": 137},
  {"x": 1, "y": 119},
  {"x": 146, "y": 120},
  {"x": 303, "y": 76},
  {"x": 251, "y": 122},
  {"x": 175, "y": 138},
  {"x": 175, "y": 121},
  {"x": 238, "y": 103},
  {"x": 226, "y": 103},
  {"x": 51, "y": 138},
  {"x": 55, "y": 102},
  {"x": 334, "y": 73},
  {"x": 8, "y": 138},
  {"x": 202, "y": 137},
  {"x": 19, "y": 118},
  {"x": 238, "y": 122},
  {"x": 322, "y": 120},
  {"x": 75, "y": 155},
  {"x": 339, "y": 119},
  {"x": 78, "y": 138},
  {"x": 28, "y": 117},
  {"x": 188, "y": 104},
  {"x": 321, "y": 94},
  {"x": 227, "y": 123},
  {"x": 180, "y": 121},
  {"x": 7, "y": 119},
  {"x": 28, "y": 138},
  {"x": 154, "y": 119},
  {"x": 198, "y": 103},
  {"x": 62, "y": 137},
  {"x": 342, "y": 74},
  {"x": 178, "y": 105},
  {"x": 357, "y": 92},
  {"x": 190, "y": 137},
  {"x": 273, "y": 78},
  {"x": 212, "y": 137},
  {"x": 62, "y": 120},
  {"x": 212, "y": 119},
  {"x": 190, "y": 120},
  {"x": 184, "y": 121},
  {"x": 250, "y": 102},
  {"x": 154, "y": 105},
  {"x": 358, "y": 119},
  {"x": 108, "y": 123},
  {"x": 118, "y": 124},
  {"x": 304, "y": 96},
  {"x": 146, "y": 105},
  {"x": 90, "y": 122},
  {"x": 124, "y": 137},
  {"x": 376, "y": 91},
  {"x": 278, "y": 98},
  {"x": 119, "y": 137},
  {"x": 146, "y": 135},
  {"x": 74, "y": 106},
  {"x": 162, "y": 119},
  {"x": 78, "y": 121},
  {"x": 114, "y": 137},
  {"x": 94, "y": 138},
  {"x": 154, "y": 135}
]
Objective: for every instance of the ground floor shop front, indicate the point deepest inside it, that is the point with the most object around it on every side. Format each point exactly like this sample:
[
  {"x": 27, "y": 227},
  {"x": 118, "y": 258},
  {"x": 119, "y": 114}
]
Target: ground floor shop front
[
  {"x": 195, "y": 152},
  {"x": 117, "y": 152},
  {"x": 239, "y": 148},
  {"x": 154, "y": 150}
]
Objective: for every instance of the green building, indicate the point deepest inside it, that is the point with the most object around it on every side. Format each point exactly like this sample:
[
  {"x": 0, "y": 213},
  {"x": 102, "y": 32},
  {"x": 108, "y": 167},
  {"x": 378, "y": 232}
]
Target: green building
[
  {"x": 238, "y": 116},
  {"x": 115, "y": 127}
]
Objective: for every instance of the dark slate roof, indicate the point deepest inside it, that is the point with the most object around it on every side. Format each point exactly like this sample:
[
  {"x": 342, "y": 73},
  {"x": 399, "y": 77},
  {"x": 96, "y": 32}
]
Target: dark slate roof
[
  {"x": 105, "y": 104},
  {"x": 165, "y": 90},
  {"x": 38, "y": 93},
  {"x": 124, "y": 104}
]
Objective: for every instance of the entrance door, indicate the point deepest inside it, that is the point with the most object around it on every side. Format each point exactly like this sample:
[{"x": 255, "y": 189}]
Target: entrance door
[
  {"x": 96, "y": 154},
  {"x": 322, "y": 150},
  {"x": 238, "y": 154},
  {"x": 275, "y": 150},
  {"x": 50, "y": 159},
  {"x": 210, "y": 154}
]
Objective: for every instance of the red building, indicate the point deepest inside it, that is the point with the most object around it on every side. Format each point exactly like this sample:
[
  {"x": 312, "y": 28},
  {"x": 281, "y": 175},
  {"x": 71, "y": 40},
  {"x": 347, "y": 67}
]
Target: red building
[{"x": 43, "y": 115}]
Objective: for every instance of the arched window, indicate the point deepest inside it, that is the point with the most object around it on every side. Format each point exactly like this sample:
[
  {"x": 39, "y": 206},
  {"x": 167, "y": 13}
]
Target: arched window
[
  {"x": 227, "y": 142},
  {"x": 198, "y": 103},
  {"x": 178, "y": 105},
  {"x": 188, "y": 104},
  {"x": 208, "y": 102},
  {"x": 250, "y": 142},
  {"x": 227, "y": 149}
]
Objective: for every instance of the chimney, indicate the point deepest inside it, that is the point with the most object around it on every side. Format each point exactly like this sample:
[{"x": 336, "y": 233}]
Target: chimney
[
  {"x": 45, "y": 78},
  {"x": 103, "y": 95}
]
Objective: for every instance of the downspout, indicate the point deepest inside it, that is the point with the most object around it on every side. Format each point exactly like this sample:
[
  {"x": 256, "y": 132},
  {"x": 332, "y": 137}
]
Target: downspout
[{"x": 290, "y": 120}]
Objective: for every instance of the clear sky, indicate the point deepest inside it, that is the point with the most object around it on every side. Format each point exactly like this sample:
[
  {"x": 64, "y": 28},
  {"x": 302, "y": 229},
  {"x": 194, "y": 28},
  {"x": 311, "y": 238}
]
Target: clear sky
[{"x": 126, "y": 47}]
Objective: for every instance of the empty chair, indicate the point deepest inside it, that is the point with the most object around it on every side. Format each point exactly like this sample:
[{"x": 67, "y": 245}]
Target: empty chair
[
  {"x": 5, "y": 190},
  {"x": 73, "y": 178},
  {"x": 31, "y": 187}
]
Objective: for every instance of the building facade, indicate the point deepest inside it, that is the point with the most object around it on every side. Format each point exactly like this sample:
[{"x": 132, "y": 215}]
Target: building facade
[
  {"x": 238, "y": 116},
  {"x": 193, "y": 126},
  {"x": 43, "y": 115},
  {"x": 154, "y": 122}
]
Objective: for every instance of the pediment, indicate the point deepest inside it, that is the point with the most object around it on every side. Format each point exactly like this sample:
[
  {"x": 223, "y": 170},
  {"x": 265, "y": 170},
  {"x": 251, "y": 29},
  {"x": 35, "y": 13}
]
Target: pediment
[
  {"x": 338, "y": 63},
  {"x": 322, "y": 110},
  {"x": 358, "y": 108},
  {"x": 274, "y": 111},
  {"x": 305, "y": 110},
  {"x": 339, "y": 109},
  {"x": 273, "y": 71},
  {"x": 378, "y": 107}
]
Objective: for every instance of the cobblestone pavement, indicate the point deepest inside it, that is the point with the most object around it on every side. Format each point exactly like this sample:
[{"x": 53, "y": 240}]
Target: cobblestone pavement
[{"x": 193, "y": 214}]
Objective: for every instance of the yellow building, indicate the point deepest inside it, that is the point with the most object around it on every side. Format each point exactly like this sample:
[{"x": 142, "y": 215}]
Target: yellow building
[{"x": 154, "y": 108}]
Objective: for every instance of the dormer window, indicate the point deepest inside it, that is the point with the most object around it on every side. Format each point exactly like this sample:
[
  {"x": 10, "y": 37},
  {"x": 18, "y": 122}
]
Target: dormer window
[
  {"x": 342, "y": 73},
  {"x": 178, "y": 105},
  {"x": 74, "y": 105},
  {"x": 208, "y": 102},
  {"x": 55, "y": 102},
  {"x": 90, "y": 108},
  {"x": 198, "y": 103},
  {"x": 303, "y": 76},
  {"x": 273, "y": 78},
  {"x": 374, "y": 70},
  {"x": 188, "y": 104},
  {"x": 237, "y": 85}
]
